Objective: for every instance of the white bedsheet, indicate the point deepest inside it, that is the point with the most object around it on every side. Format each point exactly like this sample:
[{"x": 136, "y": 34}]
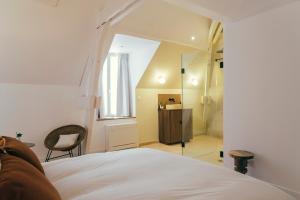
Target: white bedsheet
[{"x": 147, "y": 174}]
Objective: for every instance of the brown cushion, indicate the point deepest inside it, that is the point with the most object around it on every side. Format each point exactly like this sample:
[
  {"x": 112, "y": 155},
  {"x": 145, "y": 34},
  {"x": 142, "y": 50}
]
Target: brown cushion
[
  {"x": 2, "y": 144},
  {"x": 19, "y": 180},
  {"x": 19, "y": 149}
]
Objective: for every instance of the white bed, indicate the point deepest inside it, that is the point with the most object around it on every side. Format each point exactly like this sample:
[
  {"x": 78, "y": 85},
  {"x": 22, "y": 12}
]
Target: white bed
[{"x": 145, "y": 174}]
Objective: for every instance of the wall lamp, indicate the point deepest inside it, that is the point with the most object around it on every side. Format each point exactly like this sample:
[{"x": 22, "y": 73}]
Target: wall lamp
[
  {"x": 161, "y": 80},
  {"x": 194, "y": 82}
]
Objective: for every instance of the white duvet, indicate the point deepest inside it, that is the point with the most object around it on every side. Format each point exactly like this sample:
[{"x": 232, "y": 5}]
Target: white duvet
[{"x": 147, "y": 174}]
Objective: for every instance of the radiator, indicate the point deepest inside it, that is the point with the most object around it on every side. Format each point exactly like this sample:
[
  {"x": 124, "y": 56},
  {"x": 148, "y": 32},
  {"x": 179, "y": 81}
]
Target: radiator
[{"x": 121, "y": 136}]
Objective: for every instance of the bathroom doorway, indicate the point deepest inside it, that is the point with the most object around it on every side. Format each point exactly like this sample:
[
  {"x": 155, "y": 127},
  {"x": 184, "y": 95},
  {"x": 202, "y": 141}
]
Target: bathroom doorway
[{"x": 202, "y": 95}]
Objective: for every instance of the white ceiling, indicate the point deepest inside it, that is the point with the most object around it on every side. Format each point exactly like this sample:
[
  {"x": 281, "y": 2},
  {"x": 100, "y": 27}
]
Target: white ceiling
[
  {"x": 159, "y": 20},
  {"x": 229, "y": 9}
]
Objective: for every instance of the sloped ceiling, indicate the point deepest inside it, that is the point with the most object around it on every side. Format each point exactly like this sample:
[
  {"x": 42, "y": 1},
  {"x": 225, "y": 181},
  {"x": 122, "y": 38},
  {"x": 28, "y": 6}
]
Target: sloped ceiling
[
  {"x": 159, "y": 20},
  {"x": 229, "y": 9},
  {"x": 41, "y": 43},
  {"x": 49, "y": 41}
]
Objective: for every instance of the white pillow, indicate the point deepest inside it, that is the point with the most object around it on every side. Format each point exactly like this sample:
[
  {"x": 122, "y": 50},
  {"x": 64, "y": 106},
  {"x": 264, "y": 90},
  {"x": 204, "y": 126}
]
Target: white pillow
[{"x": 66, "y": 140}]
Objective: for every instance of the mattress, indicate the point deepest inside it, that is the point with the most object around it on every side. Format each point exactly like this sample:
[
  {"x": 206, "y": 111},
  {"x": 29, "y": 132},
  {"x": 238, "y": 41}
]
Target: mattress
[{"x": 147, "y": 174}]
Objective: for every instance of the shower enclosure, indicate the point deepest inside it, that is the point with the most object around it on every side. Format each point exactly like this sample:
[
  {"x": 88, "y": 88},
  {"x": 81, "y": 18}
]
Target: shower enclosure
[{"x": 202, "y": 94}]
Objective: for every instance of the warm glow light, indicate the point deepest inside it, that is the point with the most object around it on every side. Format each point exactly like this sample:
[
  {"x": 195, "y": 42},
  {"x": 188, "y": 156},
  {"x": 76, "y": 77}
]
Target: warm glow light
[
  {"x": 194, "y": 82},
  {"x": 193, "y": 38},
  {"x": 161, "y": 80}
]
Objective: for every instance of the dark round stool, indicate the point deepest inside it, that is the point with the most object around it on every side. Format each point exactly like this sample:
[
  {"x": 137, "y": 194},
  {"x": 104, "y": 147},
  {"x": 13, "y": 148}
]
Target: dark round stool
[{"x": 241, "y": 160}]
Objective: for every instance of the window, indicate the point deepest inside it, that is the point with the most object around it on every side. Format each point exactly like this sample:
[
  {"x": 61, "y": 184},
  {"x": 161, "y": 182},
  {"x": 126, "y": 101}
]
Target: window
[{"x": 115, "y": 87}]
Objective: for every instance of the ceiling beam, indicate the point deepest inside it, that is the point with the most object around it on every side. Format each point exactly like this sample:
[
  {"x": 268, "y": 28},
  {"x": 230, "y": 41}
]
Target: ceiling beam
[{"x": 116, "y": 12}]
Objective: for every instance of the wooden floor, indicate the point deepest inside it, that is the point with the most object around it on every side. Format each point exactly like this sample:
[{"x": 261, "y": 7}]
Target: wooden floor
[{"x": 202, "y": 147}]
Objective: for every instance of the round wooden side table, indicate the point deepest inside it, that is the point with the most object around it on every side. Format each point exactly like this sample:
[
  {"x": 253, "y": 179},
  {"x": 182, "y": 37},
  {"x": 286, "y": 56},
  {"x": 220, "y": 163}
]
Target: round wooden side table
[{"x": 241, "y": 160}]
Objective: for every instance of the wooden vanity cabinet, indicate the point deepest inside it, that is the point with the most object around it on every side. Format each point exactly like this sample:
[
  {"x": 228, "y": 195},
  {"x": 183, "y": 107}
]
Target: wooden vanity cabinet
[{"x": 175, "y": 124}]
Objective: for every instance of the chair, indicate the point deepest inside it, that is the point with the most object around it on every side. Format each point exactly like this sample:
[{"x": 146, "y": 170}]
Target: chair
[{"x": 53, "y": 136}]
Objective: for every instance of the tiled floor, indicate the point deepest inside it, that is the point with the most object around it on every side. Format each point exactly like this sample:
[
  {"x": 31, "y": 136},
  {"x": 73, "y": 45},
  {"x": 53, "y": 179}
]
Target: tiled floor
[{"x": 202, "y": 147}]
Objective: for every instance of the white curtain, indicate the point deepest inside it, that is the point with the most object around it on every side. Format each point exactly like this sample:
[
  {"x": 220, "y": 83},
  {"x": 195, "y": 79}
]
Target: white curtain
[
  {"x": 116, "y": 87},
  {"x": 123, "y": 87}
]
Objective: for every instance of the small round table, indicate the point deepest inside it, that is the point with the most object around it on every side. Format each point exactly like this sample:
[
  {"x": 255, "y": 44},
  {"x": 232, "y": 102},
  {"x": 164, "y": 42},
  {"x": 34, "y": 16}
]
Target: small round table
[
  {"x": 29, "y": 144},
  {"x": 241, "y": 160}
]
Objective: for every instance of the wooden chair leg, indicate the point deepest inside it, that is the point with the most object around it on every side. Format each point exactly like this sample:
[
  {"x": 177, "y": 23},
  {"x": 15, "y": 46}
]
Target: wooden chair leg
[
  {"x": 79, "y": 149},
  {"x": 71, "y": 153},
  {"x": 46, "y": 160},
  {"x": 48, "y": 155}
]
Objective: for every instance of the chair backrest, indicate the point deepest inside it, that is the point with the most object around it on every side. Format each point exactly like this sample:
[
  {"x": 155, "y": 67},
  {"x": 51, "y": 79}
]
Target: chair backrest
[{"x": 53, "y": 136}]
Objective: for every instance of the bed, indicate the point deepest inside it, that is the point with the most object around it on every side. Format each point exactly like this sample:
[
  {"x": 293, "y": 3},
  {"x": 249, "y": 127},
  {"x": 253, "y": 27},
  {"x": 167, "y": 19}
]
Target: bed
[{"x": 147, "y": 174}]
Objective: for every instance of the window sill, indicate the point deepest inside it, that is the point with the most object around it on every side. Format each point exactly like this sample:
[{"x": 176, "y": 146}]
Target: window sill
[{"x": 114, "y": 118}]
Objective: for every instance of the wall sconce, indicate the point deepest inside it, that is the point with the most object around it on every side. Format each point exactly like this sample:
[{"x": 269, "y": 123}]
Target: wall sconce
[
  {"x": 194, "y": 82},
  {"x": 161, "y": 80}
]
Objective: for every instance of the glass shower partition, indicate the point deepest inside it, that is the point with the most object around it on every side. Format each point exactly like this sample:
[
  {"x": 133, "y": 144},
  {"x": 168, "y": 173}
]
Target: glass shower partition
[{"x": 194, "y": 70}]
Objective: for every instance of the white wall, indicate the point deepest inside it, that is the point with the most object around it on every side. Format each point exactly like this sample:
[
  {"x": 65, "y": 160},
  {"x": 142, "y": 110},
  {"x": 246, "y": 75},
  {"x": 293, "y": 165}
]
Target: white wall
[
  {"x": 43, "y": 53},
  {"x": 262, "y": 94},
  {"x": 36, "y": 110}
]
